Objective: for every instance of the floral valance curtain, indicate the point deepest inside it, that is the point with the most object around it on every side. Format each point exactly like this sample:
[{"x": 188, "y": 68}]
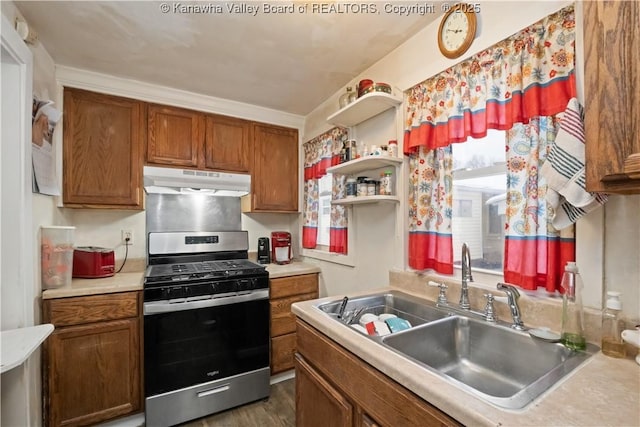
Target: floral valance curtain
[
  {"x": 319, "y": 154},
  {"x": 527, "y": 75}
]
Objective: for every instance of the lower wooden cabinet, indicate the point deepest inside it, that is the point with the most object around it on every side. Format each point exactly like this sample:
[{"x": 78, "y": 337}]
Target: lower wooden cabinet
[
  {"x": 92, "y": 361},
  {"x": 334, "y": 387},
  {"x": 283, "y": 292}
]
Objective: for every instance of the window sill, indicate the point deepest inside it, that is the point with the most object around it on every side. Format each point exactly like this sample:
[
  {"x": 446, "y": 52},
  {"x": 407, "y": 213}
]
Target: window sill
[{"x": 348, "y": 260}]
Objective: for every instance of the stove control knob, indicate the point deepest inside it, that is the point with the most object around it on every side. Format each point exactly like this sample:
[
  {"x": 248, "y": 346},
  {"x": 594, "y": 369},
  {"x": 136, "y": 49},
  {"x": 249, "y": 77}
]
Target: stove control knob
[{"x": 244, "y": 285}]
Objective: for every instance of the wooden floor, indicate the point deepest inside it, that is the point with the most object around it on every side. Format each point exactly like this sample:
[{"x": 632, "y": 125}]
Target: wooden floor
[{"x": 277, "y": 411}]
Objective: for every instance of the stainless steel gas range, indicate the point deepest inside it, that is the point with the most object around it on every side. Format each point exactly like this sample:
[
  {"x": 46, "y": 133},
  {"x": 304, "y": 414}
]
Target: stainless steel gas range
[
  {"x": 206, "y": 310},
  {"x": 206, "y": 326}
]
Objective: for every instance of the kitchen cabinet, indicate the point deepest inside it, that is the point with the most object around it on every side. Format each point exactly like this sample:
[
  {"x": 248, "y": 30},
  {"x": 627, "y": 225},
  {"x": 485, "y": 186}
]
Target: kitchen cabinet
[
  {"x": 350, "y": 391},
  {"x": 175, "y": 136},
  {"x": 283, "y": 292},
  {"x": 366, "y": 166},
  {"x": 274, "y": 175},
  {"x": 92, "y": 360},
  {"x": 612, "y": 90},
  {"x": 227, "y": 144},
  {"x": 102, "y": 151}
]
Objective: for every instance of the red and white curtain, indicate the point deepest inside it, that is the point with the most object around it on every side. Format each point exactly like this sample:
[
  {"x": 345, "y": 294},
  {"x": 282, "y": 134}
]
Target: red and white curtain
[
  {"x": 535, "y": 252},
  {"x": 430, "y": 210},
  {"x": 528, "y": 75},
  {"x": 319, "y": 154}
]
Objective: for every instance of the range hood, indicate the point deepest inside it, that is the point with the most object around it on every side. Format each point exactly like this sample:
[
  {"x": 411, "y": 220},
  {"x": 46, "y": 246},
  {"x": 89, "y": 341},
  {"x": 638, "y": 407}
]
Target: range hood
[{"x": 181, "y": 181}]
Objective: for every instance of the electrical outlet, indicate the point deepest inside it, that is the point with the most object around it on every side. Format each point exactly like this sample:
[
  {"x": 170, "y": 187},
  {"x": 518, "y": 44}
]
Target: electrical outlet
[{"x": 127, "y": 234}]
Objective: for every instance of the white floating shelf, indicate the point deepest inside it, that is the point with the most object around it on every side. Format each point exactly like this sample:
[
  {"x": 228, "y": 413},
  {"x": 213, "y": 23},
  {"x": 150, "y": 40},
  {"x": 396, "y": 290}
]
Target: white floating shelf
[
  {"x": 365, "y": 164},
  {"x": 364, "y": 108},
  {"x": 361, "y": 200},
  {"x": 18, "y": 344}
]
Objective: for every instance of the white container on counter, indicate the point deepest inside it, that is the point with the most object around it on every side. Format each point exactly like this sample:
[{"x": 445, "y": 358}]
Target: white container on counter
[{"x": 56, "y": 252}]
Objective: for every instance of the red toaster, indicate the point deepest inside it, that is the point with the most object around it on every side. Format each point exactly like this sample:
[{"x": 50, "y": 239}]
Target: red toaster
[{"x": 91, "y": 262}]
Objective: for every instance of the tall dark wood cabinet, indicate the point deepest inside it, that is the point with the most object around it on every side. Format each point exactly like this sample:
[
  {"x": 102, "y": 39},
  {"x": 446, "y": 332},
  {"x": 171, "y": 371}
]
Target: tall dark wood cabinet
[
  {"x": 102, "y": 150},
  {"x": 612, "y": 92}
]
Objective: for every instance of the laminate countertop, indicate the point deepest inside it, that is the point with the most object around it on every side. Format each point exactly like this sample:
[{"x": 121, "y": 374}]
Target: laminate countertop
[
  {"x": 602, "y": 392},
  {"x": 132, "y": 281}
]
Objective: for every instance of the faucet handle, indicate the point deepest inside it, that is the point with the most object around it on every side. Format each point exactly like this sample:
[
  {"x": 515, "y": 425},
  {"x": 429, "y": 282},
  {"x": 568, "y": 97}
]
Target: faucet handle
[
  {"x": 489, "y": 312},
  {"x": 442, "y": 295}
]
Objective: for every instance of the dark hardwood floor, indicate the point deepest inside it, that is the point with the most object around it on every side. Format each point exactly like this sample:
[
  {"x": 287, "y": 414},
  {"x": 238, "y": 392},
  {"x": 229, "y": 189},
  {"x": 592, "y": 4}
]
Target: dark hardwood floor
[{"x": 277, "y": 411}]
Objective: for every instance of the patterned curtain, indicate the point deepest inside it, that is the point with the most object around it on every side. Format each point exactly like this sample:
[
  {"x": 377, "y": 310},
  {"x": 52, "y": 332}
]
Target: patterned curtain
[
  {"x": 527, "y": 75},
  {"x": 535, "y": 252},
  {"x": 430, "y": 209},
  {"x": 319, "y": 154}
]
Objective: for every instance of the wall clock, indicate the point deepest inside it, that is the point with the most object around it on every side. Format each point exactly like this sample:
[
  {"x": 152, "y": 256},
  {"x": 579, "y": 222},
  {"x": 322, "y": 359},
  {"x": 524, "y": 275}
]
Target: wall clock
[{"x": 457, "y": 30}]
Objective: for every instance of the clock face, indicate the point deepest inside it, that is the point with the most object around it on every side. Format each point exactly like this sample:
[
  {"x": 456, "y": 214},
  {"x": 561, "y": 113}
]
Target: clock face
[{"x": 454, "y": 31}]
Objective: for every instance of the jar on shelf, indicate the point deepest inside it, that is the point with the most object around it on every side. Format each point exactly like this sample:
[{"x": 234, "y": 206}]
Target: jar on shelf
[
  {"x": 344, "y": 99},
  {"x": 352, "y": 187},
  {"x": 361, "y": 186},
  {"x": 392, "y": 147},
  {"x": 371, "y": 187},
  {"x": 386, "y": 183}
]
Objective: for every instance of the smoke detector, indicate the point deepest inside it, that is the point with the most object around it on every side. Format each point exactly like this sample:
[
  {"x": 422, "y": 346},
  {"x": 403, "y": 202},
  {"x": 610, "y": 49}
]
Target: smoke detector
[{"x": 27, "y": 34}]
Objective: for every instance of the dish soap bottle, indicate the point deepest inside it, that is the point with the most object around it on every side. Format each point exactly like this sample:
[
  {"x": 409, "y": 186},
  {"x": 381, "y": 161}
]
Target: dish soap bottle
[
  {"x": 612, "y": 327},
  {"x": 572, "y": 335}
]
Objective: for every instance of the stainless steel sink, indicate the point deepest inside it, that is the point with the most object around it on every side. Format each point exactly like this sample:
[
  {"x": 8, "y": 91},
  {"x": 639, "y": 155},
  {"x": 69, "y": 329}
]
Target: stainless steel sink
[
  {"x": 416, "y": 310},
  {"x": 505, "y": 367}
]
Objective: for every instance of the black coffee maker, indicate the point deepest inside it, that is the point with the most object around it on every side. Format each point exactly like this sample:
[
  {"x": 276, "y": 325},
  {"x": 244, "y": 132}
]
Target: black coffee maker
[{"x": 264, "y": 252}]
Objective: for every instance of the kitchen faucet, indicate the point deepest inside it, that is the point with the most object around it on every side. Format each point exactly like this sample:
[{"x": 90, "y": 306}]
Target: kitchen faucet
[
  {"x": 512, "y": 302},
  {"x": 466, "y": 277}
]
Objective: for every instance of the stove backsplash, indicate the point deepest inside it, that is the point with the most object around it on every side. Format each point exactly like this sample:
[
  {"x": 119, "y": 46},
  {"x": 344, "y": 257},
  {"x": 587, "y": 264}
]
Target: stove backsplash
[{"x": 192, "y": 212}]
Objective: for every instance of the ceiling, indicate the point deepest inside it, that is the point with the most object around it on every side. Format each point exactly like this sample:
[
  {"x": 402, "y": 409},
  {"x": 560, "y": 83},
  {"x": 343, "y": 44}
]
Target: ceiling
[{"x": 286, "y": 61}]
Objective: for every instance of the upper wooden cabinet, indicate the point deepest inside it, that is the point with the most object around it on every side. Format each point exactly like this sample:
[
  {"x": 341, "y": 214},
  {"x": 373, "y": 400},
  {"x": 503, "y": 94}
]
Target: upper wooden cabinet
[
  {"x": 227, "y": 144},
  {"x": 612, "y": 91},
  {"x": 274, "y": 178},
  {"x": 102, "y": 150},
  {"x": 175, "y": 136}
]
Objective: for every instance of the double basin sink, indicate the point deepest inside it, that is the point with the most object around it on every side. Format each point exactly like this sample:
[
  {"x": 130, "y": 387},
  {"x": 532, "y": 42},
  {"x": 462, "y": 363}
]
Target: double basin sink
[{"x": 500, "y": 365}]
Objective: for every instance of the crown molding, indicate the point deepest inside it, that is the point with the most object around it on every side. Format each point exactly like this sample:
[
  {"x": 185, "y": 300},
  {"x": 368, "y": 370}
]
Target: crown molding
[{"x": 104, "y": 83}]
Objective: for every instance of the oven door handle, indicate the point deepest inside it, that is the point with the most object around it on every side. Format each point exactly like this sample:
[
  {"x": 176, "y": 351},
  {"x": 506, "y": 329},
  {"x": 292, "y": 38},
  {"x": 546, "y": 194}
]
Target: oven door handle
[{"x": 158, "y": 307}]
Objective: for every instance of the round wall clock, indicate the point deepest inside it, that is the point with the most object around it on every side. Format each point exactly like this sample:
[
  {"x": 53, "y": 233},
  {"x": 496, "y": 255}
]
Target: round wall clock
[{"x": 457, "y": 30}]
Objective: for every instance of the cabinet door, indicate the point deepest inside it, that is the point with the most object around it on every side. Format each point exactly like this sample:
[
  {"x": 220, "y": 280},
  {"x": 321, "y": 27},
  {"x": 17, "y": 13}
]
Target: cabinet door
[
  {"x": 283, "y": 350},
  {"x": 102, "y": 146},
  {"x": 175, "y": 136},
  {"x": 612, "y": 91},
  {"x": 275, "y": 169},
  {"x": 94, "y": 372},
  {"x": 227, "y": 144},
  {"x": 317, "y": 402},
  {"x": 283, "y": 321}
]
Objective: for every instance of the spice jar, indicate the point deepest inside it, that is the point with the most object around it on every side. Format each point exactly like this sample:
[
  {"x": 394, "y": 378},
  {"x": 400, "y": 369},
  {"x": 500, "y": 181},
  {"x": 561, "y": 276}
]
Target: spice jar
[
  {"x": 362, "y": 186},
  {"x": 352, "y": 187},
  {"x": 371, "y": 187},
  {"x": 345, "y": 98},
  {"x": 386, "y": 184},
  {"x": 392, "y": 147}
]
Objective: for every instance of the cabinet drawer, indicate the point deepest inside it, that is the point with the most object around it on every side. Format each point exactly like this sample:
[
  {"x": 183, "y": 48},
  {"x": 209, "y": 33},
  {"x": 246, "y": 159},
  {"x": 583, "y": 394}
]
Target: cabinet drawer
[
  {"x": 94, "y": 308},
  {"x": 283, "y": 321},
  {"x": 293, "y": 285},
  {"x": 283, "y": 350}
]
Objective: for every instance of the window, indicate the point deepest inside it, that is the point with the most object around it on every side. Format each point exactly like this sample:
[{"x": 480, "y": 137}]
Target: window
[
  {"x": 479, "y": 194},
  {"x": 324, "y": 211}
]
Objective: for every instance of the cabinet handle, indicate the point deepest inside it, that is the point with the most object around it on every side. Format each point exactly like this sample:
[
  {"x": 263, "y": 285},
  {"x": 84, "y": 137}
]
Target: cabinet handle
[{"x": 214, "y": 391}]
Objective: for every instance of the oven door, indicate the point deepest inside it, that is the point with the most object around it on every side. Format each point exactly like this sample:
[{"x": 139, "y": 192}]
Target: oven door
[{"x": 195, "y": 342}]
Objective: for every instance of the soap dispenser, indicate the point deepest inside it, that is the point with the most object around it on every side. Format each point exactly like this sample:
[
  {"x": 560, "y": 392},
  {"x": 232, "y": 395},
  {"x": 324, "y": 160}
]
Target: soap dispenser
[
  {"x": 612, "y": 327},
  {"x": 572, "y": 335}
]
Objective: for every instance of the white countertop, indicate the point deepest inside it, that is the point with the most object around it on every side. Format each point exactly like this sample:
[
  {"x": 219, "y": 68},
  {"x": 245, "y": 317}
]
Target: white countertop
[
  {"x": 603, "y": 391},
  {"x": 18, "y": 344},
  {"x": 120, "y": 282}
]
